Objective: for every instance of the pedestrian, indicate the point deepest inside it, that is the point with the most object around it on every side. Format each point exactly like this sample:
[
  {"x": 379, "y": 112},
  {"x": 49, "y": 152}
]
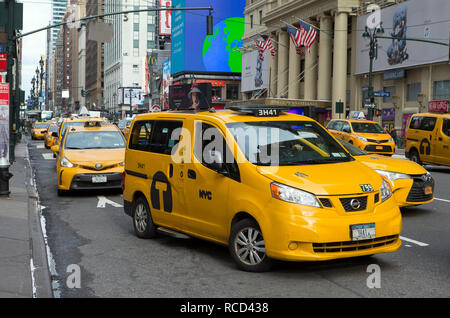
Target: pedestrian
[{"x": 393, "y": 134}]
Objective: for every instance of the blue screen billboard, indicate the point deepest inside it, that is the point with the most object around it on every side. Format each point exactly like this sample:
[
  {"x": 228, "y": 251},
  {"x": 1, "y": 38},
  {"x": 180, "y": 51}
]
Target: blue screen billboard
[{"x": 194, "y": 51}]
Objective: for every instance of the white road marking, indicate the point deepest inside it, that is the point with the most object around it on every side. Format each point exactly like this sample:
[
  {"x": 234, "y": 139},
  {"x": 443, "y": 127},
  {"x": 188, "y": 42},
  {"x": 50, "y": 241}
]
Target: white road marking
[
  {"x": 399, "y": 156},
  {"x": 413, "y": 241},
  {"x": 442, "y": 200},
  {"x": 102, "y": 201},
  {"x": 40, "y": 146},
  {"x": 48, "y": 156}
]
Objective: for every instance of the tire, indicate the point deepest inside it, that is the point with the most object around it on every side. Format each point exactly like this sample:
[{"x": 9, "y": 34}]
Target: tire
[
  {"x": 414, "y": 156},
  {"x": 142, "y": 219},
  {"x": 62, "y": 193},
  {"x": 247, "y": 248}
]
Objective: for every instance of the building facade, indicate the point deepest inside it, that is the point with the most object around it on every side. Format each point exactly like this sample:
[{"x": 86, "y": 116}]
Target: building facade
[
  {"x": 327, "y": 74},
  {"x": 124, "y": 57}
]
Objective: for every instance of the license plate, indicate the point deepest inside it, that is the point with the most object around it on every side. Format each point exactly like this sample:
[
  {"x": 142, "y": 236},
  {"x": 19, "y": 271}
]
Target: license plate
[
  {"x": 428, "y": 190},
  {"x": 99, "y": 179},
  {"x": 380, "y": 147},
  {"x": 362, "y": 231}
]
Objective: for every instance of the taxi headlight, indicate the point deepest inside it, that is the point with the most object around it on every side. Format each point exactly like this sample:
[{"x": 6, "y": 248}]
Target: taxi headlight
[
  {"x": 390, "y": 140},
  {"x": 385, "y": 191},
  {"x": 361, "y": 138},
  {"x": 393, "y": 175},
  {"x": 292, "y": 195},
  {"x": 66, "y": 163}
]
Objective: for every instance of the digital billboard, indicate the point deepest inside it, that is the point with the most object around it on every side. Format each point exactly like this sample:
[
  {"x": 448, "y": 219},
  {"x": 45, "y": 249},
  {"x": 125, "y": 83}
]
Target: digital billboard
[
  {"x": 194, "y": 51},
  {"x": 417, "y": 19}
]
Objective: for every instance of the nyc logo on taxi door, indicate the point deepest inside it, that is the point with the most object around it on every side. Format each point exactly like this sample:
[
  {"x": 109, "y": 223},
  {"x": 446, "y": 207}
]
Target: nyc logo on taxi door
[{"x": 161, "y": 192}]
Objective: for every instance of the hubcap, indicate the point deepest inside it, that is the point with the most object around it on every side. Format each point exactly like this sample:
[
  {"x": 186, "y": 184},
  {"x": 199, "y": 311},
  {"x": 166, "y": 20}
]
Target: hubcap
[
  {"x": 140, "y": 218},
  {"x": 249, "y": 246}
]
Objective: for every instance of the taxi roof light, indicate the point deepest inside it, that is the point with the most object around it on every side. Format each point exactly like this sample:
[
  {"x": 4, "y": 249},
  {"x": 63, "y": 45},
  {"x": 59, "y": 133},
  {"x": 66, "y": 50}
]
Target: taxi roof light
[
  {"x": 92, "y": 123},
  {"x": 260, "y": 111}
]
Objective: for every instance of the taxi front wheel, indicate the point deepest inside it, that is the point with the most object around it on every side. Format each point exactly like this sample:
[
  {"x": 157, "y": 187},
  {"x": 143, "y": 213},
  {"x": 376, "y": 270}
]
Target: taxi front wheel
[
  {"x": 247, "y": 247},
  {"x": 142, "y": 219}
]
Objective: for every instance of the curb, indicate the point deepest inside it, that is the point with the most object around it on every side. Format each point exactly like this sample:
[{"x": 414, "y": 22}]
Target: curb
[{"x": 40, "y": 273}]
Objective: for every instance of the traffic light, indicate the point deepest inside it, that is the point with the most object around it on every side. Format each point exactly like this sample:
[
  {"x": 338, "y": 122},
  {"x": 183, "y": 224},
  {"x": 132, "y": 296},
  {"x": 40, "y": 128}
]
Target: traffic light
[
  {"x": 377, "y": 112},
  {"x": 83, "y": 93}
]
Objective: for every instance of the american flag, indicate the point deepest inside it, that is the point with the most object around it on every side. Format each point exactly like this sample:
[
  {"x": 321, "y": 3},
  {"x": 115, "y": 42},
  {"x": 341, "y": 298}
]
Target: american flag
[
  {"x": 304, "y": 36},
  {"x": 265, "y": 45},
  {"x": 295, "y": 37}
]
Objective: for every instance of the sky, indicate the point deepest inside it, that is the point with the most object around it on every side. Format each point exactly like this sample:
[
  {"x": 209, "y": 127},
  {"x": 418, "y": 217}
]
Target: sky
[{"x": 36, "y": 14}]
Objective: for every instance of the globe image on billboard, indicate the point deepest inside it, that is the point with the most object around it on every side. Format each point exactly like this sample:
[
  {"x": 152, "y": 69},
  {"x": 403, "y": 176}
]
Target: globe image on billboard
[{"x": 220, "y": 49}]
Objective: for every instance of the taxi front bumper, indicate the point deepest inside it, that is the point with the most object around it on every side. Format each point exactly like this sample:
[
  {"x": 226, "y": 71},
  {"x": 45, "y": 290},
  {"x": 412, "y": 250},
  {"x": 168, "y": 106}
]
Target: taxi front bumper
[
  {"x": 81, "y": 179},
  {"x": 412, "y": 192},
  {"x": 315, "y": 234}
]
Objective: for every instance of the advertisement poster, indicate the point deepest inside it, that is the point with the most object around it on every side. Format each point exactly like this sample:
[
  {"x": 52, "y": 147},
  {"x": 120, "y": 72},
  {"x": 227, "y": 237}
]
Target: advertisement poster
[
  {"x": 388, "y": 118},
  {"x": 165, "y": 18},
  {"x": 190, "y": 96},
  {"x": 418, "y": 19},
  {"x": 2, "y": 62},
  {"x": 194, "y": 51},
  {"x": 165, "y": 85},
  {"x": 255, "y": 73},
  {"x": 4, "y": 121}
]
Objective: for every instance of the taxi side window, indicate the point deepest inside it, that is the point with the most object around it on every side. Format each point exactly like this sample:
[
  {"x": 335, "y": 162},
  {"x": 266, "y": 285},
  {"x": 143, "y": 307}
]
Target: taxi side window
[
  {"x": 140, "y": 136},
  {"x": 346, "y": 127},
  {"x": 428, "y": 123},
  {"x": 338, "y": 125},
  {"x": 331, "y": 125},
  {"x": 209, "y": 139},
  {"x": 165, "y": 136},
  {"x": 446, "y": 127}
]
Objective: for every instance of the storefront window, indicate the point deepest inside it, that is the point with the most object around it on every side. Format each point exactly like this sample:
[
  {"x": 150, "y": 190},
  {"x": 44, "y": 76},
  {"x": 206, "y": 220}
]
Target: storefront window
[
  {"x": 441, "y": 90},
  {"x": 413, "y": 90},
  {"x": 232, "y": 91},
  {"x": 389, "y": 89}
]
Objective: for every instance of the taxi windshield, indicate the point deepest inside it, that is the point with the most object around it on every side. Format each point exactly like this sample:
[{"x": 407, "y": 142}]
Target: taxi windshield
[
  {"x": 287, "y": 143},
  {"x": 40, "y": 126},
  {"x": 53, "y": 128},
  {"x": 354, "y": 151},
  {"x": 368, "y": 128},
  {"x": 95, "y": 140}
]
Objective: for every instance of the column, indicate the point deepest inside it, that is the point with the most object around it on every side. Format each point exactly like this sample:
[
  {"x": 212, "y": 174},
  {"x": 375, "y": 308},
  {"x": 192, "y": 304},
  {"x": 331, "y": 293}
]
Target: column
[
  {"x": 340, "y": 61},
  {"x": 325, "y": 49},
  {"x": 311, "y": 68},
  {"x": 283, "y": 64},
  {"x": 273, "y": 70},
  {"x": 294, "y": 72}
]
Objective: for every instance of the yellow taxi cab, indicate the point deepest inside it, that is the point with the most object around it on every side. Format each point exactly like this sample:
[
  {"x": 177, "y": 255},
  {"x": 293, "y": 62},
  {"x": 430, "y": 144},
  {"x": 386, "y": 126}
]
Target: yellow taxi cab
[
  {"x": 364, "y": 134},
  {"x": 38, "y": 130},
  {"x": 266, "y": 183},
  {"x": 48, "y": 137},
  {"x": 90, "y": 157},
  {"x": 412, "y": 184},
  {"x": 73, "y": 121},
  {"x": 124, "y": 126},
  {"x": 428, "y": 139}
]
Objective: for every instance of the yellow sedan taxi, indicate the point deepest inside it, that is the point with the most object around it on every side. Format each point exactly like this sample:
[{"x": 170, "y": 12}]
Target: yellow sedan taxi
[
  {"x": 73, "y": 121},
  {"x": 364, "y": 134},
  {"x": 411, "y": 183},
  {"x": 90, "y": 157},
  {"x": 49, "y": 139},
  {"x": 38, "y": 130},
  {"x": 266, "y": 183}
]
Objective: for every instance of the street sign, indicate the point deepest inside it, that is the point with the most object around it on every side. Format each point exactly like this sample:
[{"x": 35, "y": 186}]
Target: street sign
[
  {"x": 370, "y": 105},
  {"x": 2, "y": 62},
  {"x": 381, "y": 94},
  {"x": 156, "y": 108}
]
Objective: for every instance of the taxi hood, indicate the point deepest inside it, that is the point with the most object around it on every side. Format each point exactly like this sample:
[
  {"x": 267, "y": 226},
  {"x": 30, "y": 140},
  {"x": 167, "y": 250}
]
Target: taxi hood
[
  {"x": 343, "y": 178},
  {"x": 95, "y": 155},
  {"x": 374, "y": 136},
  {"x": 391, "y": 164}
]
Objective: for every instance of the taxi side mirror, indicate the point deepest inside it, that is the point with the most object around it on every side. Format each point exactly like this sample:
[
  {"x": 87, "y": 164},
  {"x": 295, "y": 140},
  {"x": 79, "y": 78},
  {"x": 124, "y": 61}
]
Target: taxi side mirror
[
  {"x": 216, "y": 162},
  {"x": 55, "y": 149}
]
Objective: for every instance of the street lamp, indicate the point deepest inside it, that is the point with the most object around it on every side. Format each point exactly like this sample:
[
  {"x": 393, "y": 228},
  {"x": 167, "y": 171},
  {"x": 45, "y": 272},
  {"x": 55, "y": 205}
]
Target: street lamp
[
  {"x": 371, "y": 34},
  {"x": 41, "y": 63}
]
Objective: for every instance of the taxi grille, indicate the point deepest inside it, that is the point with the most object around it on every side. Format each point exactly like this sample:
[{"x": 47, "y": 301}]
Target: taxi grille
[
  {"x": 347, "y": 204},
  {"x": 417, "y": 192},
  {"x": 350, "y": 246},
  {"x": 373, "y": 148},
  {"x": 326, "y": 202},
  {"x": 377, "y": 141}
]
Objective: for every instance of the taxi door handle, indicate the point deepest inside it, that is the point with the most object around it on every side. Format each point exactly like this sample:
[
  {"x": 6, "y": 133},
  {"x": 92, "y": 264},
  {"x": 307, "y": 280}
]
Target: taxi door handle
[{"x": 192, "y": 174}]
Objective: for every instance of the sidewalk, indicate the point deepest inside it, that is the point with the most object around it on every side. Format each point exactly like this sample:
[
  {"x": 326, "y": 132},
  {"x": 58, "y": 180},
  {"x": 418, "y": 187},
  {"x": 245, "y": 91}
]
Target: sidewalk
[{"x": 22, "y": 246}]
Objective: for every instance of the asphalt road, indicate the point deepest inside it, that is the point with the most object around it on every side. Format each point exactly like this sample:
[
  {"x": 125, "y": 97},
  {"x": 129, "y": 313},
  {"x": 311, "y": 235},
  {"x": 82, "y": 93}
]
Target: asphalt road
[{"x": 115, "y": 263}]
